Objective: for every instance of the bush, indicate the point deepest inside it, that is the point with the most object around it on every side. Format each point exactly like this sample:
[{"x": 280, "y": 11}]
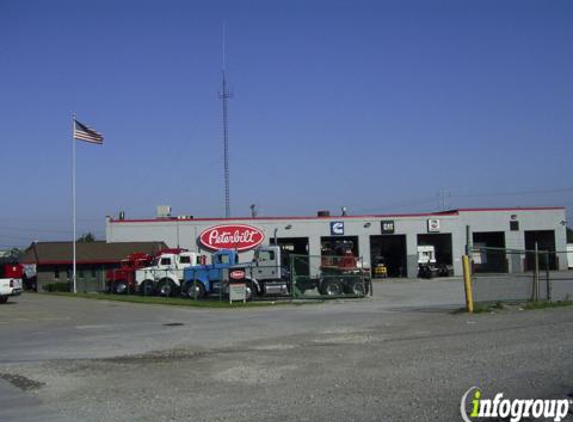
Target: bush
[{"x": 57, "y": 287}]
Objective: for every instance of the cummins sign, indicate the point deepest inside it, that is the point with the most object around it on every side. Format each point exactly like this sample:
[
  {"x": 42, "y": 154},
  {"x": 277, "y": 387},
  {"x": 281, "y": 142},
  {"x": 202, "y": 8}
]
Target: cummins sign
[{"x": 231, "y": 236}]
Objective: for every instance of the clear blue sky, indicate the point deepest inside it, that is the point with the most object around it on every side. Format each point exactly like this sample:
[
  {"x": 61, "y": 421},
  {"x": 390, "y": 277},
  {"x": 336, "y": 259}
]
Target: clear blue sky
[{"x": 374, "y": 105}]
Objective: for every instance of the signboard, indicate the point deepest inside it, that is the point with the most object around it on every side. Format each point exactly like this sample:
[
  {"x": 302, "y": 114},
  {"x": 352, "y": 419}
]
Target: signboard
[
  {"x": 479, "y": 255},
  {"x": 337, "y": 228},
  {"x": 387, "y": 226},
  {"x": 237, "y": 275},
  {"x": 30, "y": 270},
  {"x": 433, "y": 225},
  {"x": 237, "y": 292},
  {"x": 231, "y": 236}
]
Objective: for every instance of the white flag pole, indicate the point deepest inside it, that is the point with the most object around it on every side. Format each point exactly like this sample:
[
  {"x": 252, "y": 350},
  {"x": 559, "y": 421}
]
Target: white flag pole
[{"x": 74, "y": 199}]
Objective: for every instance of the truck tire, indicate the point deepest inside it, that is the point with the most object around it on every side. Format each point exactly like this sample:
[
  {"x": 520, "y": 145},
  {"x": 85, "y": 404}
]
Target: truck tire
[
  {"x": 3, "y": 299},
  {"x": 146, "y": 288},
  {"x": 120, "y": 287},
  {"x": 425, "y": 271},
  {"x": 195, "y": 288},
  {"x": 357, "y": 287},
  {"x": 250, "y": 291},
  {"x": 331, "y": 287},
  {"x": 167, "y": 288}
]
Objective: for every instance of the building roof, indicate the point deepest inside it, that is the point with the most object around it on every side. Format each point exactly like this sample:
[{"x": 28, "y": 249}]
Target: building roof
[
  {"x": 453, "y": 212},
  {"x": 99, "y": 252}
]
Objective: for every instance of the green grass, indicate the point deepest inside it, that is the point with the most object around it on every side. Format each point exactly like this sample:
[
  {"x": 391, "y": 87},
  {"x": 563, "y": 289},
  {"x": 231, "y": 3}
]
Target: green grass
[
  {"x": 173, "y": 301},
  {"x": 525, "y": 306},
  {"x": 530, "y": 306}
]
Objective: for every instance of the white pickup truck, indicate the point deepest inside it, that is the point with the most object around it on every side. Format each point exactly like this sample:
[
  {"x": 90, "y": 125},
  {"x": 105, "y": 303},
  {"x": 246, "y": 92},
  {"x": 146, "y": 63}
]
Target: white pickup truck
[{"x": 9, "y": 287}]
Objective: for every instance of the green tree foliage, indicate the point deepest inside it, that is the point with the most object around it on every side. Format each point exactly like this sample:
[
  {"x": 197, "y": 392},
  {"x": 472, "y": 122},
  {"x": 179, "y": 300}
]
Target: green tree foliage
[{"x": 87, "y": 237}]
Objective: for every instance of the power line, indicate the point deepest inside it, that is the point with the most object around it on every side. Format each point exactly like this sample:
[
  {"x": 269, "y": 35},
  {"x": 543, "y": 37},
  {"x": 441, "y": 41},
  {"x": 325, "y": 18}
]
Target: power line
[{"x": 534, "y": 192}]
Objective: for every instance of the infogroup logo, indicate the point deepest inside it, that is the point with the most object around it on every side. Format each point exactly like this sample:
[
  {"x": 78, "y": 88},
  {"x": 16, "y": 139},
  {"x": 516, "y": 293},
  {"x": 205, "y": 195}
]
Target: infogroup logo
[{"x": 514, "y": 409}]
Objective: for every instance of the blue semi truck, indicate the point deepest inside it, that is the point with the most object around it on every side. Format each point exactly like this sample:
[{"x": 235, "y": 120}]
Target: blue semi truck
[
  {"x": 202, "y": 280},
  {"x": 262, "y": 276}
]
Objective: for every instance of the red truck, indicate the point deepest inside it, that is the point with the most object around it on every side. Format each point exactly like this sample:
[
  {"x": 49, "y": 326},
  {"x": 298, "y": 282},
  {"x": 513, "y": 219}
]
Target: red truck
[{"x": 122, "y": 280}]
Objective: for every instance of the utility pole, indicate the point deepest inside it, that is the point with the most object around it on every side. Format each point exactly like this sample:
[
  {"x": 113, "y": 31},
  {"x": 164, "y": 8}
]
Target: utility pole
[
  {"x": 224, "y": 95},
  {"x": 254, "y": 211},
  {"x": 443, "y": 199}
]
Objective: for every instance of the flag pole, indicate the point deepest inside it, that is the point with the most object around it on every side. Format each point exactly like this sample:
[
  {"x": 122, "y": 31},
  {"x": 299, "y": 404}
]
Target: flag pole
[{"x": 74, "y": 199}]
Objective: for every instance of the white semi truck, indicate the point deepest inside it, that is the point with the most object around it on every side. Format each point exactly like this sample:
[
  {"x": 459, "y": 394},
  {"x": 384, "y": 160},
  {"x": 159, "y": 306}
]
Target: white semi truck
[{"x": 165, "y": 274}]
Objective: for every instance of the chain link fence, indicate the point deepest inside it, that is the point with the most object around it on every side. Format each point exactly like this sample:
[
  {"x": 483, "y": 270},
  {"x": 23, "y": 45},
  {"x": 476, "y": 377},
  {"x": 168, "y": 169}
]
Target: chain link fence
[
  {"x": 506, "y": 275},
  {"x": 302, "y": 277}
]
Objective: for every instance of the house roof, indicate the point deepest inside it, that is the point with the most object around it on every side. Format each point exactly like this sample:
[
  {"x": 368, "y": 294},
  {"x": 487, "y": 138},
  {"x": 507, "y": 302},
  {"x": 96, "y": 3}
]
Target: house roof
[{"x": 99, "y": 252}]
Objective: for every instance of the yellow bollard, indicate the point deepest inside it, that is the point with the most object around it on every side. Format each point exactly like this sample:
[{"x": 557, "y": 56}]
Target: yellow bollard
[{"x": 468, "y": 284}]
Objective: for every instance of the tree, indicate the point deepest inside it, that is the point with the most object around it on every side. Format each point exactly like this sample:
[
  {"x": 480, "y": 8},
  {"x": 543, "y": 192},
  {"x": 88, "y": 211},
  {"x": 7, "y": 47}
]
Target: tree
[{"x": 87, "y": 237}]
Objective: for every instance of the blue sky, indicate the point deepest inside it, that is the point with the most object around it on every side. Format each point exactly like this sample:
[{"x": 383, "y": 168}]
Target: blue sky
[{"x": 372, "y": 105}]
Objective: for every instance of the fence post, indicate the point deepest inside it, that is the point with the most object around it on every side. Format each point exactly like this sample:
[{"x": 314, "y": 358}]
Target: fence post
[
  {"x": 292, "y": 276},
  {"x": 468, "y": 241},
  {"x": 548, "y": 280},
  {"x": 468, "y": 284},
  {"x": 535, "y": 291}
]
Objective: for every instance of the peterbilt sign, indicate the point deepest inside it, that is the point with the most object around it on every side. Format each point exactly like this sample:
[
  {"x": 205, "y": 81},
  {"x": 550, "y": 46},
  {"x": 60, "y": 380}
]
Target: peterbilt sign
[
  {"x": 237, "y": 274},
  {"x": 231, "y": 236}
]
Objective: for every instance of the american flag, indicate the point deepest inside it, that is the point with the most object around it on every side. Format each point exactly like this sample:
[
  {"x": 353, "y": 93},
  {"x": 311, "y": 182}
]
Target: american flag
[{"x": 84, "y": 133}]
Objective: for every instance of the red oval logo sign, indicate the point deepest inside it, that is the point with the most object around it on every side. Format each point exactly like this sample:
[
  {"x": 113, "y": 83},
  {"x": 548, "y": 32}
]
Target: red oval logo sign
[
  {"x": 237, "y": 274},
  {"x": 232, "y": 236}
]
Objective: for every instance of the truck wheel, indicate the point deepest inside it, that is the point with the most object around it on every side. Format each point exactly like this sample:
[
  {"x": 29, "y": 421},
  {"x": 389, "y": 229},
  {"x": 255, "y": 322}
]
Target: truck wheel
[
  {"x": 166, "y": 288},
  {"x": 358, "y": 287},
  {"x": 250, "y": 291},
  {"x": 3, "y": 299},
  {"x": 121, "y": 287},
  {"x": 193, "y": 289},
  {"x": 146, "y": 288},
  {"x": 331, "y": 288}
]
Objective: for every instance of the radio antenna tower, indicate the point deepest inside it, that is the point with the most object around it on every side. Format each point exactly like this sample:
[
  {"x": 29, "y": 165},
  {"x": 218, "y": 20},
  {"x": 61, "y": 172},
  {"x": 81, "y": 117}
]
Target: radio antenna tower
[{"x": 224, "y": 95}]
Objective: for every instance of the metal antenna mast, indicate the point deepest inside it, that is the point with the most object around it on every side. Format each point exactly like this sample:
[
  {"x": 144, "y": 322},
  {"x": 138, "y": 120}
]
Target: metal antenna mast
[{"x": 225, "y": 95}]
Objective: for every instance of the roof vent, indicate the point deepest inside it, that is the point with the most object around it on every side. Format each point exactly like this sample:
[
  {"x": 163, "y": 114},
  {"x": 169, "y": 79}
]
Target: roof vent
[{"x": 163, "y": 211}]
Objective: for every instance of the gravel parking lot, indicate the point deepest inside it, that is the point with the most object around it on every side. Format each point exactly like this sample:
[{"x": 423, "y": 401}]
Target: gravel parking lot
[{"x": 401, "y": 355}]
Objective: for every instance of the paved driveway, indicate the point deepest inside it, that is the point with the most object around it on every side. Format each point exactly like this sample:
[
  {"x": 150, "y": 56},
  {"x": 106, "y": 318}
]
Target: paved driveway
[{"x": 400, "y": 355}]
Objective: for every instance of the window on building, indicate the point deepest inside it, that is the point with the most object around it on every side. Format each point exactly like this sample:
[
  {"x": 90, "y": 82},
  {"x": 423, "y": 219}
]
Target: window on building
[
  {"x": 94, "y": 273},
  {"x": 57, "y": 273},
  {"x": 266, "y": 256}
]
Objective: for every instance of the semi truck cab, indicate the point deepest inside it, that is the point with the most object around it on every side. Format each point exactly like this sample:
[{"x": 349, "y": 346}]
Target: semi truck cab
[{"x": 165, "y": 275}]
